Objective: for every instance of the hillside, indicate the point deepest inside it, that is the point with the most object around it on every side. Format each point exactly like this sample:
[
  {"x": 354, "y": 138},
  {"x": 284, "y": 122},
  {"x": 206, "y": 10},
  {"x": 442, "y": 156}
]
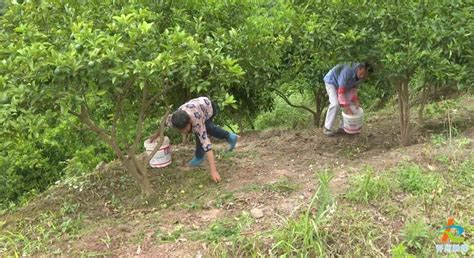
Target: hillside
[{"x": 381, "y": 199}]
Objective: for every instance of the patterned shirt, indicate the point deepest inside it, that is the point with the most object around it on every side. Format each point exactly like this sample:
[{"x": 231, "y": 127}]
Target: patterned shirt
[{"x": 199, "y": 110}]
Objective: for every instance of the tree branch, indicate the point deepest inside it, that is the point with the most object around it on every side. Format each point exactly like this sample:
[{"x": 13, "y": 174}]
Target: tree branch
[
  {"x": 119, "y": 106},
  {"x": 162, "y": 138},
  {"x": 85, "y": 119},
  {"x": 144, "y": 111},
  {"x": 282, "y": 95},
  {"x": 155, "y": 97},
  {"x": 163, "y": 93},
  {"x": 141, "y": 117}
]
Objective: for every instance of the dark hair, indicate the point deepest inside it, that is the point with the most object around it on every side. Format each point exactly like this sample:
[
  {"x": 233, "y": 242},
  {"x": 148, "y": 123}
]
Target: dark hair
[
  {"x": 367, "y": 67},
  {"x": 180, "y": 119}
]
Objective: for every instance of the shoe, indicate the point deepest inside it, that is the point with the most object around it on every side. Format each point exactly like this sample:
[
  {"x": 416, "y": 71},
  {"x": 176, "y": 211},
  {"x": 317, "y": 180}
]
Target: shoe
[
  {"x": 232, "y": 141},
  {"x": 328, "y": 132},
  {"x": 195, "y": 162}
]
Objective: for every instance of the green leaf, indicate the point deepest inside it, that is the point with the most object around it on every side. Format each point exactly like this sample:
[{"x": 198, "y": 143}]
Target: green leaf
[
  {"x": 101, "y": 92},
  {"x": 145, "y": 27}
]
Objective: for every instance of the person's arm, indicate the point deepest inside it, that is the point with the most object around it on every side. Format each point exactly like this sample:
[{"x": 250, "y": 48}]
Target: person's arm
[
  {"x": 355, "y": 97},
  {"x": 207, "y": 146},
  {"x": 341, "y": 98},
  {"x": 342, "y": 80},
  {"x": 212, "y": 164}
]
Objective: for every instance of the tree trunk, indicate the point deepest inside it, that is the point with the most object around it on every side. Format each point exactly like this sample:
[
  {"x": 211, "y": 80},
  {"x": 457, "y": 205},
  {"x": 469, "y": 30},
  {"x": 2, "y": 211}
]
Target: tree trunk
[
  {"x": 406, "y": 129},
  {"x": 319, "y": 98},
  {"x": 140, "y": 174},
  {"x": 145, "y": 184},
  {"x": 317, "y": 115},
  {"x": 135, "y": 167}
]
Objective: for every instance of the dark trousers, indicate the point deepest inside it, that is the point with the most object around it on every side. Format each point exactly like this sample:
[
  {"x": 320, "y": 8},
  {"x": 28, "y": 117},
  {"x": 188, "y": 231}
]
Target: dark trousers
[{"x": 212, "y": 130}]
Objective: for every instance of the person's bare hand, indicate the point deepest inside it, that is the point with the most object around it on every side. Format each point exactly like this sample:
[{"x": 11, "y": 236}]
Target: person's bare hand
[
  {"x": 347, "y": 110},
  {"x": 215, "y": 177}
]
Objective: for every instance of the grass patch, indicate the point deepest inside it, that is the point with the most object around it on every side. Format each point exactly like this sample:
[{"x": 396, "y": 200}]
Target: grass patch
[
  {"x": 367, "y": 187},
  {"x": 241, "y": 246},
  {"x": 282, "y": 186},
  {"x": 250, "y": 187},
  {"x": 355, "y": 232},
  {"x": 463, "y": 174},
  {"x": 225, "y": 198},
  {"x": 354, "y": 152},
  {"x": 438, "y": 140},
  {"x": 411, "y": 178},
  {"x": 175, "y": 188},
  {"x": 418, "y": 240},
  {"x": 192, "y": 206},
  {"x": 305, "y": 236},
  {"x": 400, "y": 251},
  {"x": 28, "y": 237},
  {"x": 417, "y": 236},
  {"x": 229, "y": 238},
  {"x": 227, "y": 229},
  {"x": 225, "y": 155},
  {"x": 170, "y": 236}
]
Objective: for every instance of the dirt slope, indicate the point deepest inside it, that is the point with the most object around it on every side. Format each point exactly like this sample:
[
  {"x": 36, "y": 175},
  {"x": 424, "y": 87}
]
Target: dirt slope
[{"x": 273, "y": 171}]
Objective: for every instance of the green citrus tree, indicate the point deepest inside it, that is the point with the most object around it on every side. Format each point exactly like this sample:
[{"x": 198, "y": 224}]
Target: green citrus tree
[
  {"x": 109, "y": 71},
  {"x": 319, "y": 41},
  {"x": 417, "y": 37}
]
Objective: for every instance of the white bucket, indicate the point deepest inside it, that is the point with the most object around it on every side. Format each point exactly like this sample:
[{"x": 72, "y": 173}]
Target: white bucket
[
  {"x": 353, "y": 123},
  {"x": 162, "y": 157}
]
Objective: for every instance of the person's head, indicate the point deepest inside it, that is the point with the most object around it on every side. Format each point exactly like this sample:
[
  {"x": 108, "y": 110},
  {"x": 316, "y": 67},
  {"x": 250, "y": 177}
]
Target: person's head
[
  {"x": 363, "y": 70},
  {"x": 181, "y": 121}
]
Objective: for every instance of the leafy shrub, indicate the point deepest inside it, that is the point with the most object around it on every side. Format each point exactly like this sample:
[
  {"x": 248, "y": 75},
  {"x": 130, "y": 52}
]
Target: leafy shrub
[{"x": 31, "y": 162}]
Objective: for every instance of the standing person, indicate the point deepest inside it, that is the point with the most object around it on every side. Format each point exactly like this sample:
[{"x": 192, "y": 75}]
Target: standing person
[
  {"x": 196, "y": 116},
  {"x": 341, "y": 85}
]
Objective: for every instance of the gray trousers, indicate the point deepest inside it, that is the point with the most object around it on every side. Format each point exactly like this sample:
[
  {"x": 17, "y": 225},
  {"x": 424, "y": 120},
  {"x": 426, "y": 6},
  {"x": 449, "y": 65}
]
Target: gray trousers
[{"x": 333, "y": 108}]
